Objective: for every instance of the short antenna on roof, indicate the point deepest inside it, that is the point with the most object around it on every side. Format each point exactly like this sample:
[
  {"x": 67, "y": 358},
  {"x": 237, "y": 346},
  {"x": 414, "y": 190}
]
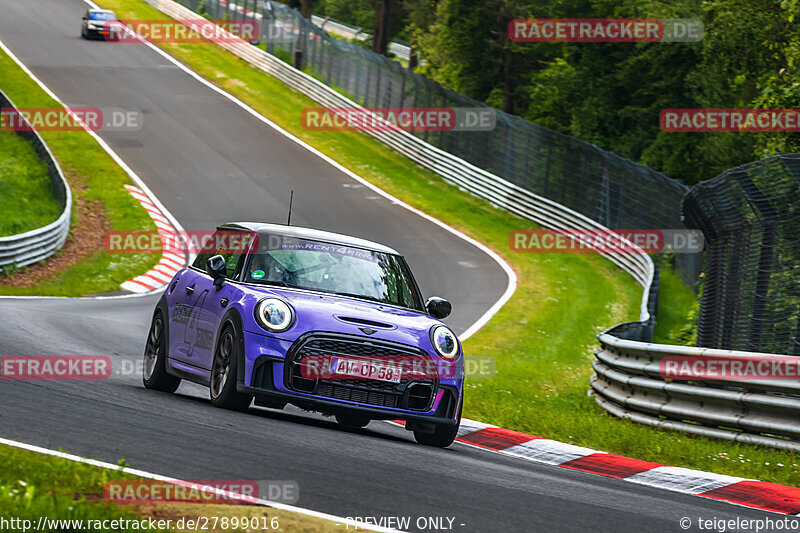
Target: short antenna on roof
[{"x": 289, "y": 220}]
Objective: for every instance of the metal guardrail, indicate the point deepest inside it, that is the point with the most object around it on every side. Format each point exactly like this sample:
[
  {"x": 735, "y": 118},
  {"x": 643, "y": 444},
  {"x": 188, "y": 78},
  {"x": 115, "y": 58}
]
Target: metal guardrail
[
  {"x": 453, "y": 169},
  {"x": 626, "y": 383},
  {"x": 748, "y": 215},
  {"x": 581, "y": 176},
  {"x": 32, "y": 246},
  {"x": 401, "y": 50},
  {"x": 333, "y": 27}
]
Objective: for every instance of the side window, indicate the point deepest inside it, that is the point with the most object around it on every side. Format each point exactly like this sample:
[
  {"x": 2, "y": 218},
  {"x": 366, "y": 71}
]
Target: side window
[
  {"x": 200, "y": 260},
  {"x": 206, "y": 252},
  {"x": 237, "y": 272},
  {"x": 232, "y": 261},
  {"x": 230, "y": 245}
]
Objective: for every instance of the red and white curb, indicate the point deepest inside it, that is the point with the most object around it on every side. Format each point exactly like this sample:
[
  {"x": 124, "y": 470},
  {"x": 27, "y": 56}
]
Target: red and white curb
[
  {"x": 171, "y": 262},
  {"x": 750, "y": 493},
  {"x": 746, "y": 492}
]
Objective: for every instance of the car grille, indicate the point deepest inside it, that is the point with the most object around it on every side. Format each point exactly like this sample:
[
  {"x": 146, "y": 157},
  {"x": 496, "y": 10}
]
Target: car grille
[
  {"x": 416, "y": 394},
  {"x": 356, "y": 395}
]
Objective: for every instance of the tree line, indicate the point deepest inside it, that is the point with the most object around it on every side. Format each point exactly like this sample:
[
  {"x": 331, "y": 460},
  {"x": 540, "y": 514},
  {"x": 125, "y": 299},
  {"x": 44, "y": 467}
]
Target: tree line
[{"x": 610, "y": 94}]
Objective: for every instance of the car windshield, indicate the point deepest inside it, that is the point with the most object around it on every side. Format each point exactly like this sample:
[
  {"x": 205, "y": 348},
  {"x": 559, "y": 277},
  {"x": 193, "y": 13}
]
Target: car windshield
[
  {"x": 102, "y": 16},
  {"x": 334, "y": 268}
]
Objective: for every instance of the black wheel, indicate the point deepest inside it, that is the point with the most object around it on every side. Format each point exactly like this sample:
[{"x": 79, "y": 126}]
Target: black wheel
[
  {"x": 352, "y": 420},
  {"x": 442, "y": 437},
  {"x": 154, "y": 370},
  {"x": 223, "y": 374}
]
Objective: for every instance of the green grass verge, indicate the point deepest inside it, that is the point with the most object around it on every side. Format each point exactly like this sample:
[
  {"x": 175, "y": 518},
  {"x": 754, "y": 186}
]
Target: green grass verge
[
  {"x": 677, "y": 311},
  {"x": 26, "y": 193},
  {"x": 96, "y": 182},
  {"x": 34, "y": 486},
  {"x": 542, "y": 340}
]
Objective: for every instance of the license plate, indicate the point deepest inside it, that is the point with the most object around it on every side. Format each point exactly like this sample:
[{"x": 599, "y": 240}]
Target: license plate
[{"x": 362, "y": 369}]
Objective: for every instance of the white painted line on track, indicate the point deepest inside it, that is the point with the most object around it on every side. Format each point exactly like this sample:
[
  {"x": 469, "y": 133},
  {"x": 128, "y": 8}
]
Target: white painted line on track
[
  {"x": 117, "y": 159},
  {"x": 510, "y": 274},
  {"x": 214, "y": 490}
]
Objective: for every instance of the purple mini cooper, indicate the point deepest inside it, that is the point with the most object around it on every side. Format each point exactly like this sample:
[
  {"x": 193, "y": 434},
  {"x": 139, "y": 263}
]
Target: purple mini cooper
[{"x": 326, "y": 322}]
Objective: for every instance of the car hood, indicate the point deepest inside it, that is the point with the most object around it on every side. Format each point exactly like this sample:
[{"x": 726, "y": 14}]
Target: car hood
[{"x": 328, "y": 312}]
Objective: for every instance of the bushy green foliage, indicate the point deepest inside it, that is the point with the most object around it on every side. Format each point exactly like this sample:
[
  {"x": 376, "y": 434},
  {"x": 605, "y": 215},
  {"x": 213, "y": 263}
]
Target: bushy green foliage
[{"x": 612, "y": 94}]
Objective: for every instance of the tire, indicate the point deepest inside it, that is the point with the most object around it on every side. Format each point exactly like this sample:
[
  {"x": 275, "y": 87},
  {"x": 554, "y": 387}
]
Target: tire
[
  {"x": 352, "y": 420},
  {"x": 442, "y": 437},
  {"x": 224, "y": 369},
  {"x": 154, "y": 369}
]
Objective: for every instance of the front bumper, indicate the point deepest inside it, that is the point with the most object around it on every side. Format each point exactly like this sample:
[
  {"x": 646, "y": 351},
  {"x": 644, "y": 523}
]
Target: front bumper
[
  {"x": 272, "y": 377},
  {"x": 328, "y": 406}
]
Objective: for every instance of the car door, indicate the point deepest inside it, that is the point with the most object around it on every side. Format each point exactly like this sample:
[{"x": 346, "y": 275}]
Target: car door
[
  {"x": 215, "y": 305},
  {"x": 199, "y": 333},
  {"x": 187, "y": 299},
  {"x": 210, "y": 302},
  {"x": 188, "y": 332}
]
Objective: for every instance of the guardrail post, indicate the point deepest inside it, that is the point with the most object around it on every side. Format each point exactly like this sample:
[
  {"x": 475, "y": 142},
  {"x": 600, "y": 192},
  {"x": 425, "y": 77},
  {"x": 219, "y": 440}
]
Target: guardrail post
[
  {"x": 547, "y": 169},
  {"x": 761, "y": 289},
  {"x": 403, "y": 75},
  {"x": 730, "y": 307},
  {"x": 796, "y": 338},
  {"x": 761, "y": 205},
  {"x": 378, "y": 88}
]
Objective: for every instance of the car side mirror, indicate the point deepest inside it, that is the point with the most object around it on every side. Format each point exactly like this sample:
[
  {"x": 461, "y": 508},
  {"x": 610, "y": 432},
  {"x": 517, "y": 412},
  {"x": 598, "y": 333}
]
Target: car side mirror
[
  {"x": 217, "y": 269},
  {"x": 438, "y": 307}
]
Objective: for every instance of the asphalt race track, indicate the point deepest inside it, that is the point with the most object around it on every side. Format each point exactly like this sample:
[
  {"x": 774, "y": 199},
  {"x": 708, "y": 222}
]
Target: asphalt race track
[{"x": 209, "y": 161}]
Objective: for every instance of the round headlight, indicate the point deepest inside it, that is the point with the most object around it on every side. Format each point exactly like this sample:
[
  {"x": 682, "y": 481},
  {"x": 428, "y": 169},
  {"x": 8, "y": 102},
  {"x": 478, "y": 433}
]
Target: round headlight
[
  {"x": 274, "y": 315},
  {"x": 445, "y": 342}
]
